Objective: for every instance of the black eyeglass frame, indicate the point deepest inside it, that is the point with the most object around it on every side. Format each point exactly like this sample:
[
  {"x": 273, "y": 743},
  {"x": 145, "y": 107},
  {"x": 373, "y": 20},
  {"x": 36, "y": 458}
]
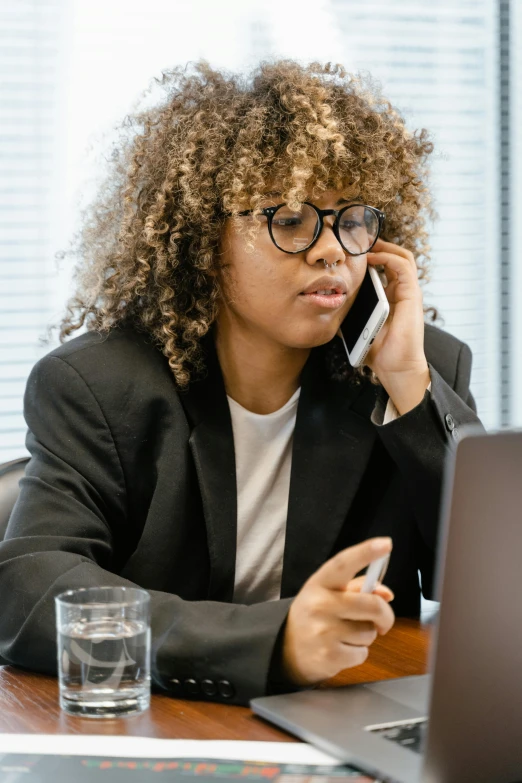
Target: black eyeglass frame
[{"x": 269, "y": 213}]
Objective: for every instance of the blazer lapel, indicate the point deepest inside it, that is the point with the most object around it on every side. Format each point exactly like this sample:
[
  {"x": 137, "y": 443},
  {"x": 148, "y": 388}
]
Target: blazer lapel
[
  {"x": 333, "y": 441},
  {"x": 212, "y": 445}
]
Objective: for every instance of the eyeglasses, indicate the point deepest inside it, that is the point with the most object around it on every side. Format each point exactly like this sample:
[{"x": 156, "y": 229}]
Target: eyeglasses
[{"x": 356, "y": 226}]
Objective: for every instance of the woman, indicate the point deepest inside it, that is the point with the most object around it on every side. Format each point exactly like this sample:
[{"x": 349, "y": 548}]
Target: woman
[{"x": 205, "y": 438}]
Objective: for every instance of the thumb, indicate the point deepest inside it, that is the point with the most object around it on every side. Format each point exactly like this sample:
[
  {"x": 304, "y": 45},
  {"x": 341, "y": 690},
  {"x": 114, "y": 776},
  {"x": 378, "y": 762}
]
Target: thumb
[{"x": 339, "y": 570}]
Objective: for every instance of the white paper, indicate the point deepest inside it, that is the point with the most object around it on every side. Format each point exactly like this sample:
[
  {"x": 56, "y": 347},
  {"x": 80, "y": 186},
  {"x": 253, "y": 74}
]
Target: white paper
[{"x": 145, "y": 747}]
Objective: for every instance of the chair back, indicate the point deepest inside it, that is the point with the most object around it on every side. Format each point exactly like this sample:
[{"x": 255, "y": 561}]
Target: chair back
[{"x": 10, "y": 475}]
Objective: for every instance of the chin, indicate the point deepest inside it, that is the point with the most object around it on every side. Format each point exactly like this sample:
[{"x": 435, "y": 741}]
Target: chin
[{"x": 312, "y": 338}]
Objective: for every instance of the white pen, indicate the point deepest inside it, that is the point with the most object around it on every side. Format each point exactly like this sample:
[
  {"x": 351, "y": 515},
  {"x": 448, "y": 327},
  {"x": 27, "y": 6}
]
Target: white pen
[{"x": 375, "y": 573}]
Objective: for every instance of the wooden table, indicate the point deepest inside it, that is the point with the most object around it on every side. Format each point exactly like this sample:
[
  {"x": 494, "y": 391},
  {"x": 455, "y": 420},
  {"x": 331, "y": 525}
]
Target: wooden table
[{"x": 29, "y": 702}]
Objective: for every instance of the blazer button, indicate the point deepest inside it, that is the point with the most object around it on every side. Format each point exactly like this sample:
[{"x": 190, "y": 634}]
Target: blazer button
[
  {"x": 450, "y": 422},
  {"x": 208, "y": 687},
  {"x": 191, "y": 687},
  {"x": 175, "y": 686},
  {"x": 226, "y": 689}
]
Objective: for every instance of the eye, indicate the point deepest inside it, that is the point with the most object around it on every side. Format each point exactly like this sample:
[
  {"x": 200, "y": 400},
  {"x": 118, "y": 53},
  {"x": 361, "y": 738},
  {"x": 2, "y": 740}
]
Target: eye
[
  {"x": 349, "y": 224},
  {"x": 288, "y": 222}
]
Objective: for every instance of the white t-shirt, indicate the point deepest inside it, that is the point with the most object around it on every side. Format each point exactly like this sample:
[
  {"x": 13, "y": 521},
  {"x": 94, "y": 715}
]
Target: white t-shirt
[{"x": 263, "y": 449}]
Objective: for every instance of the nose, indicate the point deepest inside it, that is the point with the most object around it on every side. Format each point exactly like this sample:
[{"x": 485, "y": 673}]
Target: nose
[{"x": 327, "y": 247}]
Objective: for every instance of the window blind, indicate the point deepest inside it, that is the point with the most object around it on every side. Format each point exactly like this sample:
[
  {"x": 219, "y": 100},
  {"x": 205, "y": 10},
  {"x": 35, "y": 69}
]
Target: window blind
[
  {"x": 30, "y": 40},
  {"x": 437, "y": 61},
  {"x": 70, "y": 70},
  {"x": 516, "y": 201}
]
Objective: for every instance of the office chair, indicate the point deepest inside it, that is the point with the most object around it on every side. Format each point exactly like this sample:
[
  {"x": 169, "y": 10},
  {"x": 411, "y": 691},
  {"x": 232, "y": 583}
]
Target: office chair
[{"x": 10, "y": 475}]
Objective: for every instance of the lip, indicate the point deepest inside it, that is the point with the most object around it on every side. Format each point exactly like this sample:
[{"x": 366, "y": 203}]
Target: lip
[
  {"x": 330, "y": 301},
  {"x": 326, "y": 282}
]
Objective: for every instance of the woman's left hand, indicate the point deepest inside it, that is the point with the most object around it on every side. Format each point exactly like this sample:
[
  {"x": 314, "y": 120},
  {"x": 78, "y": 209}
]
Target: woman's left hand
[{"x": 397, "y": 356}]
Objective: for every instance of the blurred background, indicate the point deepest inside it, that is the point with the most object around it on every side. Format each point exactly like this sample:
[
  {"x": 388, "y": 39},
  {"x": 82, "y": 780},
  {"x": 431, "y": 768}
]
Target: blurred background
[{"x": 70, "y": 69}]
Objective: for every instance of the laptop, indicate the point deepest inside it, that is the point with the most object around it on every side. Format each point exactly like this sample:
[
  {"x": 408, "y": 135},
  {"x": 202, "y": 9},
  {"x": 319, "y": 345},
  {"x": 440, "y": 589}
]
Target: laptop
[{"x": 463, "y": 722}]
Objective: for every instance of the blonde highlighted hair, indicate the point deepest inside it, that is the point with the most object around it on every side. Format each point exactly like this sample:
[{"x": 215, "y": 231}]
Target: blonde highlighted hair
[{"x": 148, "y": 246}]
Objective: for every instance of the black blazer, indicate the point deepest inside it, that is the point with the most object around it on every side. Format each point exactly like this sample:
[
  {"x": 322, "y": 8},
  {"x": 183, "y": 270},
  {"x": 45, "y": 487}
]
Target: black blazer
[{"x": 133, "y": 482}]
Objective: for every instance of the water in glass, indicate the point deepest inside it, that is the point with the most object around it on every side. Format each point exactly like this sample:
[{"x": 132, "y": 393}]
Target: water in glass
[{"x": 104, "y": 667}]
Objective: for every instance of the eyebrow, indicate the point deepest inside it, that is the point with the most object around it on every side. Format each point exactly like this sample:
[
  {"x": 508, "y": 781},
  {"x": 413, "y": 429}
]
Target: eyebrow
[
  {"x": 352, "y": 199},
  {"x": 343, "y": 200}
]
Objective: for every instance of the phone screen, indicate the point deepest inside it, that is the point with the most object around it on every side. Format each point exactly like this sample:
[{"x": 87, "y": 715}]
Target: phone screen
[{"x": 365, "y": 303}]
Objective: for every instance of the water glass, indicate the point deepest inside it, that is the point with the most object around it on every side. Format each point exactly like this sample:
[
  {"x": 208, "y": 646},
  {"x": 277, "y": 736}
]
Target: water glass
[{"x": 104, "y": 651}]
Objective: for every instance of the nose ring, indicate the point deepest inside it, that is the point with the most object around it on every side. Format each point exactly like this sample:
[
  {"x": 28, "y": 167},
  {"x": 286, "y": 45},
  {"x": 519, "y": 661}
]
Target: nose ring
[{"x": 327, "y": 266}]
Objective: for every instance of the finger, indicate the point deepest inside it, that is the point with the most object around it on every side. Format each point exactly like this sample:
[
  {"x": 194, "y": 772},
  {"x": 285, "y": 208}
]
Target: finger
[
  {"x": 355, "y": 585},
  {"x": 350, "y": 656},
  {"x": 365, "y": 607},
  {"x": 391, "y": 247},
  {"x": 359, "y": 634},
  {"x": 384, "y": 592},
  {"x": 339, "y": 570},
  {"x": 343, "y": 656},
  {"x": 395, "y": 267},
  {"x": 388, "y": 272},
  {"x": 403, "y": 282},
  {"x": 391, "y": 289}
]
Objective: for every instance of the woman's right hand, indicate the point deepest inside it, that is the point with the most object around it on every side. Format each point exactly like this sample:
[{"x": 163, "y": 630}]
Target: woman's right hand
[{"x": 331, "y": 624}]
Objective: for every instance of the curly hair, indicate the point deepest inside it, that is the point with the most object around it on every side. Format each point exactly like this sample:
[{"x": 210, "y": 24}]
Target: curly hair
[{"x": 148, "y": 245}]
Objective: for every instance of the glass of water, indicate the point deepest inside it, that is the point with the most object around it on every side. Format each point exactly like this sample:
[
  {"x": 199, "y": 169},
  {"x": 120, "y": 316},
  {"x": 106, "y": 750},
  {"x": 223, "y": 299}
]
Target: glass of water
[{"x": 104, "y": 651}]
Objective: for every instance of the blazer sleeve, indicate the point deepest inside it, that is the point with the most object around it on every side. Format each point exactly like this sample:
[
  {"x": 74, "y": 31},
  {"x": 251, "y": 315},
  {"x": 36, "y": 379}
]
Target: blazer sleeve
[
  {"x": 418, "y": 443},
  {"x": 71, "y": 509}
]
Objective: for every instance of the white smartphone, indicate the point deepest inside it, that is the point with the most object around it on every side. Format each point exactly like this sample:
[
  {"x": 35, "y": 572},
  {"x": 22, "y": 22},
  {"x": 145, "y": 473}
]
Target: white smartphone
[
  {"x": 375, "y": 573},
  {"x": 366, "y": 317}
]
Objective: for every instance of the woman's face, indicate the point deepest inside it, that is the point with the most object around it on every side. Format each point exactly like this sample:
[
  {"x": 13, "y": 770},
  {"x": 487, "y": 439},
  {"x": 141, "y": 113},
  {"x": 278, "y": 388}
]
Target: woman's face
[{"x": 274, "y": 294}]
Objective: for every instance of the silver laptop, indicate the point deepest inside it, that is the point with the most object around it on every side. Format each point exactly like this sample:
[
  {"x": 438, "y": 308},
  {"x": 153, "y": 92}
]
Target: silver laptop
[{"x": 464, "y": 721}]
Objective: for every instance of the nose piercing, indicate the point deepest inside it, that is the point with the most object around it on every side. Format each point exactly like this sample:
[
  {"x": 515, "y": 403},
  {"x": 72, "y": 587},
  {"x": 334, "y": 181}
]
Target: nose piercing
[{"x": 327, "y": 266}]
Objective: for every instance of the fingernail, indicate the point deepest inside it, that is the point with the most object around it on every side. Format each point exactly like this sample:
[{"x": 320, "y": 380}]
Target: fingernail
[{"x": 380, "y": 543}]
